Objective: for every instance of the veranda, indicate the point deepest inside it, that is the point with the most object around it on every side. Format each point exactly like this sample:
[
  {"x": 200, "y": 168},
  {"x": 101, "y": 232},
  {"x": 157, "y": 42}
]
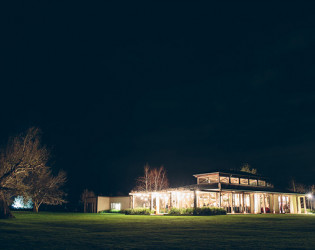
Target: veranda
[{"x": 232, "y": 201}]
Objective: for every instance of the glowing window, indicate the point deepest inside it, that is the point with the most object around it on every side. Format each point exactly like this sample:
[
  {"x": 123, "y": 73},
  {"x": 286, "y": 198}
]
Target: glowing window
[
  {"x": 214, "y": 178},
  {"x": 244, "y": 181},
  {"x": 261, "y": 183},
  {"x": 234, "y": 180},
  {"x": 253, "y": 182},
  {"x": 115, "y": 206},
  {"x": 203, "y": 180},
  {"x": 224, "y": 179}
]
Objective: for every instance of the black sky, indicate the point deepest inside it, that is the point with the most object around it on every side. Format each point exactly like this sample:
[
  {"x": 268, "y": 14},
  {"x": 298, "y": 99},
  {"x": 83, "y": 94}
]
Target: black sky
[{"x": 192, "y": 86}]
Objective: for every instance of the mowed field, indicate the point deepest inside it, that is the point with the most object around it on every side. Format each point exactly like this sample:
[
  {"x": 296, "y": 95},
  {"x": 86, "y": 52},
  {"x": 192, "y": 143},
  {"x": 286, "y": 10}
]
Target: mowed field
[{"x": 103, "y": 231}]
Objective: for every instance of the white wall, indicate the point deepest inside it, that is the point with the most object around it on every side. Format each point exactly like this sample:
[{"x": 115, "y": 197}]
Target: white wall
[
  {"x": 104, "y": 202},
  {"x": 124, "y": 200}
]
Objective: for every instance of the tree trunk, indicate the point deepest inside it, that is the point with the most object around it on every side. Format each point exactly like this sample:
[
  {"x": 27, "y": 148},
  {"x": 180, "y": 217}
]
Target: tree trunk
[
  {"x": 5, "y": 212},
  {"x": 35, "y": 208}
]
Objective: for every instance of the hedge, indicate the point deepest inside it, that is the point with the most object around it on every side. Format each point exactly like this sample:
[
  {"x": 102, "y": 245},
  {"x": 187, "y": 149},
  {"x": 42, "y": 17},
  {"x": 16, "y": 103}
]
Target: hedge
[
  {"x": 111, "y": 211},
  {"x": 138, "y": 211},
  {"x": 204, "y": 211},
  {"x": 197, "y": 211}
]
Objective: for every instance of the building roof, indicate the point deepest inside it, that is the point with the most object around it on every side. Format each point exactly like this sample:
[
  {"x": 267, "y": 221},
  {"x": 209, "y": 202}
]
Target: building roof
[
  {"x": 232, "y": 187},
  {"x": 232, "y": 172}
]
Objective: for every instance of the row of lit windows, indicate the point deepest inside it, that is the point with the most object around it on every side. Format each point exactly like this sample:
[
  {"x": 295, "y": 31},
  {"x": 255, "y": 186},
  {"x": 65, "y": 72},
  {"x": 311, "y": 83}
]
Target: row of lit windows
[{"x": 233, "y": 180}]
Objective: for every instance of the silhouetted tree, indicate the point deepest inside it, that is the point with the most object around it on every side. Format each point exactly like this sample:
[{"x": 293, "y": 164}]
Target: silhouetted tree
[
  {"x": 22, "y": 155},
  {"x": 297, "y": 187},
  {"x": 84, "y": 197},
  {"x": 247, "y": 168},
  {"x": 44, "y": 188},
  {"x": 154, "y": 179}
]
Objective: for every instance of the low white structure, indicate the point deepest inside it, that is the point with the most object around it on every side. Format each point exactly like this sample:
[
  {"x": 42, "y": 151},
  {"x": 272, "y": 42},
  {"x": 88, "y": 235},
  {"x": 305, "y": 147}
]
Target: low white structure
[{"x": 101, "y": 203}]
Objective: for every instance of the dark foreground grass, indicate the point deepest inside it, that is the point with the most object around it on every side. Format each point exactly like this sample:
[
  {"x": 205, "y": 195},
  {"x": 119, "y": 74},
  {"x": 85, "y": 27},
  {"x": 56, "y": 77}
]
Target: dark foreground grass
[{"x": 95, "y": 231}]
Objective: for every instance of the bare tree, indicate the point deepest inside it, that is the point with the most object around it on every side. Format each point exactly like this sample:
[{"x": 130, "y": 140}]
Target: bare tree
[
  {"x": 23, "y": 154},
  {"x": 297, "y": 187},
  {"x": 44, "y": 188},
  {"x": 84, "y": 197},
  {"x": 144, "y": 182},
  {"x": 153, "y": 179},
  {"x": 248, "y": 169}
]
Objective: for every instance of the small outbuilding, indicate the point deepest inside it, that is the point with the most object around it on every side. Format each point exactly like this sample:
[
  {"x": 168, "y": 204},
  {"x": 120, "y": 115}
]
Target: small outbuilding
[{"x": 101, "y": 203}]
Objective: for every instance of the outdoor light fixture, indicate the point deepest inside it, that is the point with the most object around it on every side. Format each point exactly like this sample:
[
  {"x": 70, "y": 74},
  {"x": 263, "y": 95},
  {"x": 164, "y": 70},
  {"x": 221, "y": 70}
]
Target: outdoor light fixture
[{"x": 309, "y": 195}]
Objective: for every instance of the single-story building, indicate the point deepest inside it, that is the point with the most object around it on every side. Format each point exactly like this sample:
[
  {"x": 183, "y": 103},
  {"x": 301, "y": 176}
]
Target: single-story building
[
  {"x": 236, "y": 192},
  {"x": 101, "y": 203}
]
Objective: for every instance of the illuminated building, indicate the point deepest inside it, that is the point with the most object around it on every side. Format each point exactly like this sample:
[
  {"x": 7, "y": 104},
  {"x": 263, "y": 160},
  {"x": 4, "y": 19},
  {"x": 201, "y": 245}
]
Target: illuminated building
[{"x": 236, "y": 192}]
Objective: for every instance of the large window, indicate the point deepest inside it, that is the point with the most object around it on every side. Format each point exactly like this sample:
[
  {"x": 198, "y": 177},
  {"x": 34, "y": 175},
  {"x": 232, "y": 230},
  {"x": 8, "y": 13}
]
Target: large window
[
  {"x": 224, "y": 179},
  {"x": 209, "y": 179},
  {"x": 253, "y": 182},
  {"x": 203, "y": 180},
  {"x": 214, "y": 178},
  {"x": 234, "y": 180},
  {"x": 244, "y": 181},
  {"x": 207, "y": 199},
  {"x": 115, "y": 206}
]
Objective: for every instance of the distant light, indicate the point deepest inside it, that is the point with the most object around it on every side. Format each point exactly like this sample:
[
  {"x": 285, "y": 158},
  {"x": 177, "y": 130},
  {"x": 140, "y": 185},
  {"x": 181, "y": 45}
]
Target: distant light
[
  {"x": 20, "y": 204},
  {"x": 309, "y": 195}
]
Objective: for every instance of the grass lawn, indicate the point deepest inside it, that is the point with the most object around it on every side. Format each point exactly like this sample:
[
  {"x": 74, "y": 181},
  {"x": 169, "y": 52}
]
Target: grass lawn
[{"x": 90, "y": 231}]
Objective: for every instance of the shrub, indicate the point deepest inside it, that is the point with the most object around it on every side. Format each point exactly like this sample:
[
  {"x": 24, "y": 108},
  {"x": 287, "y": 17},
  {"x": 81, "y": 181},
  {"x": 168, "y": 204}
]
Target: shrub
[
  {"x": 110, "y": 211},
  {"x": 174, "y": 211},
  {"x": 189, "y": 211},
  {"x": 138, "y": 211},
  {"x": 205, "y": 211},
  {"x": 209, "y": 211},
  {"x": 104, "y": 212}
]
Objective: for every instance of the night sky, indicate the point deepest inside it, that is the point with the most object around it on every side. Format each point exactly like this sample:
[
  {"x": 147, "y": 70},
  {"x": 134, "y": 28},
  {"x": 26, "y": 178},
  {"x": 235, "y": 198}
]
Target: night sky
[{"x": 192, "y": 86}]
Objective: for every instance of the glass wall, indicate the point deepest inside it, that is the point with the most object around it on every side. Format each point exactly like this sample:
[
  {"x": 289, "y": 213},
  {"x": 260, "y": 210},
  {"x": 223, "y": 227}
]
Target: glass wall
[
  {"x": 235, "y": 180},
  {"x": 244, "y": 181},
  {"x": 142, "y": 200},
  {"x": 224, "y": 179},
  {"x": 207, "y": 199}
]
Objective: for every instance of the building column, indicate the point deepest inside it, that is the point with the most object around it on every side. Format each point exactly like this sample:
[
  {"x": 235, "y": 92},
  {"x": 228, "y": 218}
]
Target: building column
[
  {"x": 252, "y": 203},
  {"x": 243, "y": 195},
  {"x": 171, "y": 200},
  {"x": 195, "y": 199},
  {"x": 257, "y": 201},
  {"x": 157, "y": 201},
  {"x": 276, "y": 201},
  {"x": 231, "y": 202},
  {"x": 151, "y": 203},
  {"x": 264, "y": 203},
  {"x": 133, "y": 202},
  {"x": 299, "y": 204},
  {"x": 291, "y": 204},
  {"x": 304, "y": 205},
  {"x": 272, "y": 209}
]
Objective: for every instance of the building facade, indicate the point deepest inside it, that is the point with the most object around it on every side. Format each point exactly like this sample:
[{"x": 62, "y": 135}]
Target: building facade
[
  {"x": 101, "y": 203},
  {"x": 236, "y": 192}
]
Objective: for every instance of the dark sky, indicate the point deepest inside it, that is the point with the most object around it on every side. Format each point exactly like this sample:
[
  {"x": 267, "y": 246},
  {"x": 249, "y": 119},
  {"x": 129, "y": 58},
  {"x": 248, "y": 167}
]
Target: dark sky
[{"x": 192, "y": 86}]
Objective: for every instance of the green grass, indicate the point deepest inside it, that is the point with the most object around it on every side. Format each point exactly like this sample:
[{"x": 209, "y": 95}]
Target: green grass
[{"x": 90, "y": 231}]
